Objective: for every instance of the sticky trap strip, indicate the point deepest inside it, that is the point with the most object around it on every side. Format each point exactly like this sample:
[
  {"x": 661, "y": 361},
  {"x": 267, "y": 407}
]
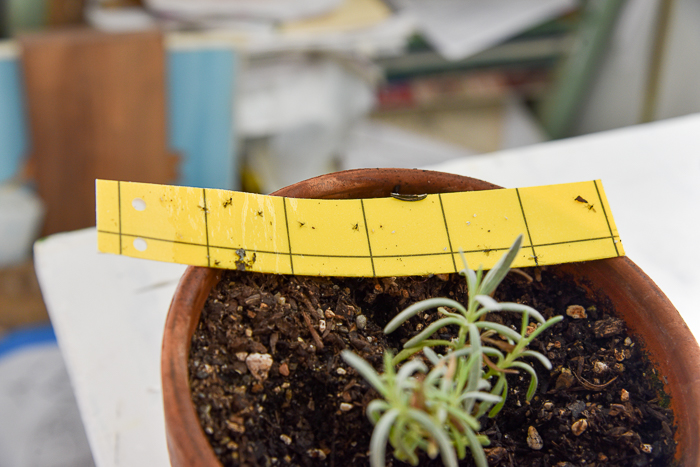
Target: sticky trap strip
[{"x": 361, "y": 237}]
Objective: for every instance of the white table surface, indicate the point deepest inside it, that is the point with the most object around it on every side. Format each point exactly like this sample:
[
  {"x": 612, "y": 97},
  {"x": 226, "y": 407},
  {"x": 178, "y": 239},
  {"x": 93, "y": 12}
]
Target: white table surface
[{"x": 109, "y": 311}]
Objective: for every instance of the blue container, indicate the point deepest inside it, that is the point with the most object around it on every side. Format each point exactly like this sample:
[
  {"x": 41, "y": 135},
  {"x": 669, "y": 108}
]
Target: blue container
[
  {"x": 13, "y": 124},
  {"x": 201, "y": 113}
]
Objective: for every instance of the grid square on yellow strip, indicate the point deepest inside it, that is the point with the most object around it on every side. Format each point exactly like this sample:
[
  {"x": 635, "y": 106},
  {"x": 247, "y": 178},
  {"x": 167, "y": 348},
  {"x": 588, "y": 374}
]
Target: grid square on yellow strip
[
  {"x": 332, "y": 266},
  {"x": 169, "y": 212},
  {"x": 405, "y": 228},
  {"x": 577, "y": 251},
  {"x": 488, "y": 258},
  {"x": 246, "y": 220},
  {"x": 326, "y": 228},
  {"x": 108, "y": 242},
  {"x": 565, "y": 213},
  {"x": 107, "y": 203},
  {"x": 414, "y": 265},
  {"x": 162, "y": 250},
  {"x": 228, "y": 258},
  {"x": 484, "y": 220}
]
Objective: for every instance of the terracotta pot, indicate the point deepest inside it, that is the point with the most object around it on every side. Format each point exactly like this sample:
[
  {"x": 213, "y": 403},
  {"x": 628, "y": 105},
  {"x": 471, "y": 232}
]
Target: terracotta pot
[{"x": 635, "y": 297}]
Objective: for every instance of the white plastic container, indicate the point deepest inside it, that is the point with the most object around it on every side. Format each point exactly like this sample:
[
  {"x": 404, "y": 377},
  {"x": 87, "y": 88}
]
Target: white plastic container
[{"x": 21, "y": 216}]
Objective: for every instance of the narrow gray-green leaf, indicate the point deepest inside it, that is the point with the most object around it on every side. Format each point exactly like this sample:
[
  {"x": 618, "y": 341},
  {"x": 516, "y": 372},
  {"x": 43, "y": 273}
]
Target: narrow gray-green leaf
[
  {"x": 532, "y": 353},
  {"x": 408, "y": 369},
  {"x": 377, "y": 444},
  {"x": 431, "y": 355},
  {"x": 416, "y": 308},
  {"x": 465, "y": 417},
  {"x": 550, "y": 322},
  {"x": 366, "y": 370},
  {"x": 492, "y": 305},
  {"x": 431, "y": 329},
  {"x": 477, "y": 450},
  {"x": 463, "y": 352},
  {"x": 482, "y": 396},
  {"x": 474, "y": 363},
  {"x": 533, "y": 378},
  {"x": 497, "y": 408},
  {"x": 404, "y": 354},
  {"x": 498, "y": 272},
  {"x": 449, "y": 459},
  {"x": 499, "y": 328},
  {"x": 375, "y": 409}
]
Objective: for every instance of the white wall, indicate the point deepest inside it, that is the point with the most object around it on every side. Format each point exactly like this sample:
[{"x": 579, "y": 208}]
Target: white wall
[
  {"x": 616, "y": 95},
  {"x": 680, "y": 85}
]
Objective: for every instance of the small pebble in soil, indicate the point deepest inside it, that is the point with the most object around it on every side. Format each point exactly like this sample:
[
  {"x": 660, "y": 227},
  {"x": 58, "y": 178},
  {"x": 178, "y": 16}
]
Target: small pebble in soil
[
  {"x": 647, "y": 448},
  {"x": 259, "y": 365},
  {"x": 361, "y": 322},
  {"x": 600, "y": 367},
  {"x": 316, "y": 454},
  {"x": 534, "y": 440},
  {"x": 345, "y": 407},
  {"x": 624, "y": 395},
  {"x": 576, "y": 312},
  {"x": 579, "y": 426},
  {"x": 235, "y": 424}
]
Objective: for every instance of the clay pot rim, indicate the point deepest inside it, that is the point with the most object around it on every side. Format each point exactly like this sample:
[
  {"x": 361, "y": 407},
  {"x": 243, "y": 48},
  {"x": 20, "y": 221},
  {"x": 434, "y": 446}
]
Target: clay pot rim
[{"x": 666, "y": 336}]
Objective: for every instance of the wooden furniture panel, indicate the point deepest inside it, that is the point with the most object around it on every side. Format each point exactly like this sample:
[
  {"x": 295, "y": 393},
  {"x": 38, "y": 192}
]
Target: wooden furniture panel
[{"x": 96, "y": 104}]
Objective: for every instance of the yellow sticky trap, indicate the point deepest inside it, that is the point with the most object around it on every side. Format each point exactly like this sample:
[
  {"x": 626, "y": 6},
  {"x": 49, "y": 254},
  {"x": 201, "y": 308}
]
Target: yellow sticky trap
[{"x": 363, "y": 238}]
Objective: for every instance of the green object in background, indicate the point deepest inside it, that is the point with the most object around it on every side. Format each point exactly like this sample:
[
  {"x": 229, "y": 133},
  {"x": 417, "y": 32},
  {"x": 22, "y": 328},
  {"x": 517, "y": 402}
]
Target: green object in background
[
  {"x": 3, "y": 19},
  {"x": 559, "y": 110},
  {"x": 23, "y": 15}
]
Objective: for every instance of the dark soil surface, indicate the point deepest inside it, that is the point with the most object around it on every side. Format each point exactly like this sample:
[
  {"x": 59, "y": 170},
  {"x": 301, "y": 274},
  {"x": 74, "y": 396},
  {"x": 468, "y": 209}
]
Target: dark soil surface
[{"x": 600, "y": 404}]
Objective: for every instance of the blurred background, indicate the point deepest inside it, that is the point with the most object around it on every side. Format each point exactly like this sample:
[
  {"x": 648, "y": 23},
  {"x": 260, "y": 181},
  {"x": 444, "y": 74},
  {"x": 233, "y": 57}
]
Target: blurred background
[{"x": 255, "y": 95}]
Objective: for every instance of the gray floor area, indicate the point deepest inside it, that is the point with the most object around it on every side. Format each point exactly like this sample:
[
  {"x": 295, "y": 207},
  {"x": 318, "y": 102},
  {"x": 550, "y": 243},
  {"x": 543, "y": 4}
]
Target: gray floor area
[{"x": 39, "y": 421}]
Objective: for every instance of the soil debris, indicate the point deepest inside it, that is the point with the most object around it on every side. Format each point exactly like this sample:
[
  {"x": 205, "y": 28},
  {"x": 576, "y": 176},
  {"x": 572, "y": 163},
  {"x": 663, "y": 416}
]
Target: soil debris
[{"x": 576, "y": 312}]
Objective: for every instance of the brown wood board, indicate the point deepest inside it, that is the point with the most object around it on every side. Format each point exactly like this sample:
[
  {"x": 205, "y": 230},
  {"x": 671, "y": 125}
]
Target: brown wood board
[
  {"x": 96, "y": 104},
  {"x": 20, "y": 297}
]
